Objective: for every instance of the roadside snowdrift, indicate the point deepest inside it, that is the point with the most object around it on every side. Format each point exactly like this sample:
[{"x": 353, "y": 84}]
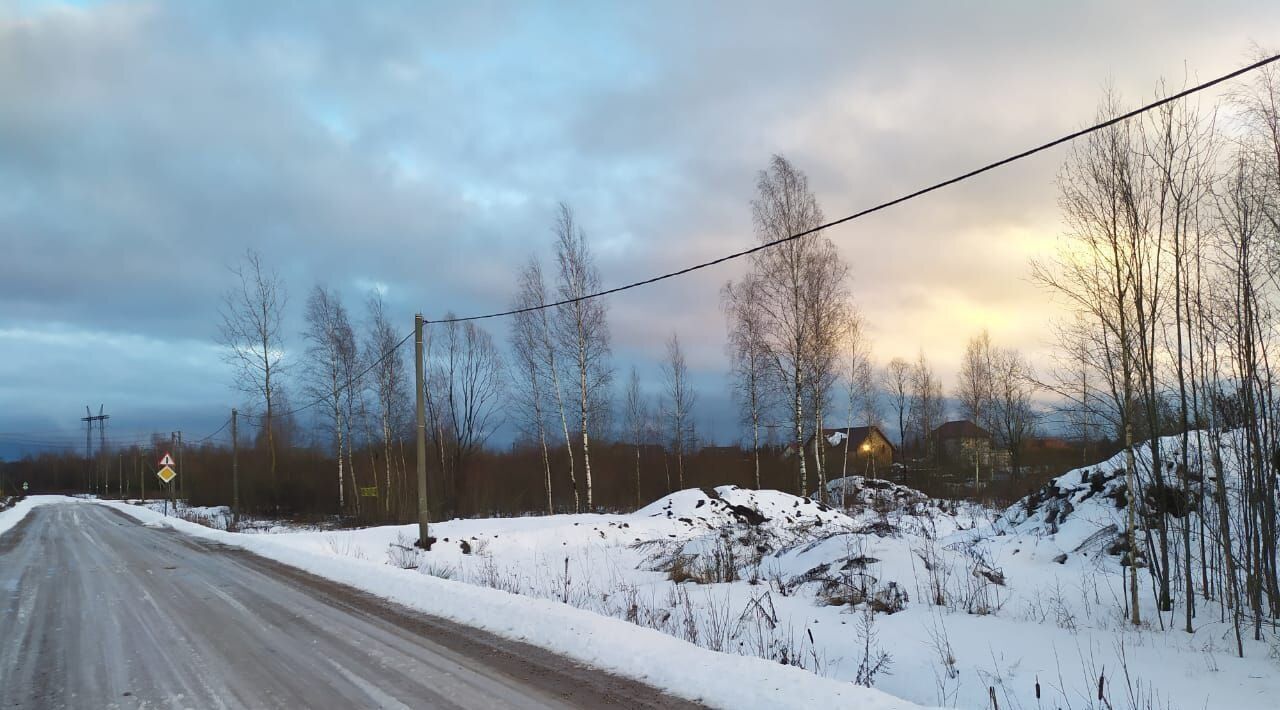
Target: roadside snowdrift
[{"x": 14, "y": 514}]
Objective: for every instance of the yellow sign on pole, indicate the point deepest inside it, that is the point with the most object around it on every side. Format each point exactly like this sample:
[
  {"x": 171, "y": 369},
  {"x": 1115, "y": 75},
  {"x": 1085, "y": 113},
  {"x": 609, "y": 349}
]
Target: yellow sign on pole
[{"x": 167, "y": 474}]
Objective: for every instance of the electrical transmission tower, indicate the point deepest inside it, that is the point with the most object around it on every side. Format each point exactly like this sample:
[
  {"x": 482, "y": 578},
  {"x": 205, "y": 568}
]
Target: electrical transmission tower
[{"x": 89, "y": 419}]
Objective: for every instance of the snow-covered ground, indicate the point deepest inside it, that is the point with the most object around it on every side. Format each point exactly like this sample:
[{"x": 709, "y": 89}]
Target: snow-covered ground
[
  {"x": 682, "y": 668},
  {"x": 968, "y": 602},
  {"x": 938, "y": 603}
]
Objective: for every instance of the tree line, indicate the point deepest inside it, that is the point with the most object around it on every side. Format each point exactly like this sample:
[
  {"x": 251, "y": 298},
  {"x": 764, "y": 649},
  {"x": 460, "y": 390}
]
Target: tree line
[{"x": 799, "y": 356}]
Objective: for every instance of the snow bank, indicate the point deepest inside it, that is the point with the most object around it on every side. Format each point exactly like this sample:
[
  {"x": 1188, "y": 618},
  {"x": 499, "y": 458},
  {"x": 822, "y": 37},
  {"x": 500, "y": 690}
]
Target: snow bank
[
  {"x": 1084, "y": 509},
  {"x": 12, "y": 516},
  {"x": 685, "y": 670}
]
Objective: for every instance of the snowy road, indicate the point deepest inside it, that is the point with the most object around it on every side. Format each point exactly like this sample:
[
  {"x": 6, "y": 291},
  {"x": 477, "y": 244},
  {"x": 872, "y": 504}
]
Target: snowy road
[{"x": 100, "y": 611}]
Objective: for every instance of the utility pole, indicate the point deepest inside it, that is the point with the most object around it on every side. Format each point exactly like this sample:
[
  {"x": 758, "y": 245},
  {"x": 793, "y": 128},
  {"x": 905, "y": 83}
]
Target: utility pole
[
  {"x": 181, "y": 481},
  {"x": 88, "y": 447},
  {"x": 423, "y": 514},
  {"x": 120, "y": 477},
  {"x": 169, "y": 497},
  {"x": 104, "y": 472},
  {"x": 235, "y": 472}
]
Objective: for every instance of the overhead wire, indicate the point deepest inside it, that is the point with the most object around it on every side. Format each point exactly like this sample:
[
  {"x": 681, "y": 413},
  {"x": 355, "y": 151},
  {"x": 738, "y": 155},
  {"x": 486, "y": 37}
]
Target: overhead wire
[
  {"x": 220, "y": 429},
  {"x": 881, "y": 206},
  {"x": 354, "y": 379}
]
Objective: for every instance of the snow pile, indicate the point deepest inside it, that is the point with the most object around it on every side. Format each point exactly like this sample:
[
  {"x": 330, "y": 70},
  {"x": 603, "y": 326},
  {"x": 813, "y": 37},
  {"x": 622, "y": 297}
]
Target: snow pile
[
  {"x": 859, "y": 491},
  {"x": 1085, "y": 510},
  {"x": 728, "y": 505}
]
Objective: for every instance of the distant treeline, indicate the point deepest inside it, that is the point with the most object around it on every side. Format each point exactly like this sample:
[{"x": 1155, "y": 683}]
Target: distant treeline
[{"x": 497, "y": 483}]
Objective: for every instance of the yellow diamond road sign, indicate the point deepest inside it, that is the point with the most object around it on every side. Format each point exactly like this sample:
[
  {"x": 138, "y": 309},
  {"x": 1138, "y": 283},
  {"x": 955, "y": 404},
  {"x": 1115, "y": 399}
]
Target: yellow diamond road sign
[{"x": 167, "y": 474}]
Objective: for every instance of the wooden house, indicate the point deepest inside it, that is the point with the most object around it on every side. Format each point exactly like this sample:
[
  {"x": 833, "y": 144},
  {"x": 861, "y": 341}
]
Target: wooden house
[{"x": 869, "y": 451}]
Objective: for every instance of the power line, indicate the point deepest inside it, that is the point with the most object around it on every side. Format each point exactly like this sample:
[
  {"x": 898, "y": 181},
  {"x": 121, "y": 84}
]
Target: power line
[
  {"x": 354, "y": 379},
  {"x": 65, "y": 445},
  {"x": 63, "y": 433},
  {"x": 883, "y": 205},
  {"x": 70, "y": 440},
  {"x": 203, "y": 439}
]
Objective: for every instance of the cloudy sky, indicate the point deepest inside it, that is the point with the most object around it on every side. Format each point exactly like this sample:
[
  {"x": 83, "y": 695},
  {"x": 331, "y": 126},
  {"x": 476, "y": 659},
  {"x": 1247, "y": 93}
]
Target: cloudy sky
[{"x": 420, "y": 148}]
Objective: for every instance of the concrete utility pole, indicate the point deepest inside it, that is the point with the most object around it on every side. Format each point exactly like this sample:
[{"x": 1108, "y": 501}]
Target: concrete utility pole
[
  {"x": 423, "y": 513},
  {"x": 169, "y": 497},
  {"x": 105, "y": 471},
  {"x": 181, "y": 481},
  {"x": 235, "y": 471}
]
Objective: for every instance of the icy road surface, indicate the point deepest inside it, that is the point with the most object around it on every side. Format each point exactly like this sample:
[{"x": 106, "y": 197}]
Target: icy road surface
[{"x": 100, "y": 611}]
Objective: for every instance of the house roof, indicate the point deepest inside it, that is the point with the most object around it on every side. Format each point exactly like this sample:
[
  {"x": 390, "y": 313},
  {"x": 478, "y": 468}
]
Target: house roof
[
  {"x": 856, "y": 434},
  {"x": 961, "y": 429},
  {"x": 1049, "y": 442}
]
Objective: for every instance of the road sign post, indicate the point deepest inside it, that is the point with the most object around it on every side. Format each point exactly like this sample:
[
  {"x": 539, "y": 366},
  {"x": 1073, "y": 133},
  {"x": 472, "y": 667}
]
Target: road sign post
[{"x": 166, "y": 474}]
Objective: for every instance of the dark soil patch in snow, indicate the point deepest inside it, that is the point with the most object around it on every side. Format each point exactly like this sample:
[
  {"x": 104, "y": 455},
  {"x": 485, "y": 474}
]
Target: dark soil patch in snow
[{"x": 750, "y": 516}]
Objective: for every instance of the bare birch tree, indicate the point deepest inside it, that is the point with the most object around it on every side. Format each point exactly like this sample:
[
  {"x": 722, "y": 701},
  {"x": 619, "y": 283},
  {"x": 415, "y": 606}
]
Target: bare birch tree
[
  {"x": 330, "y": 355},
  {"x": 389, "y": 384},
  {"x": 530, "y": 376},
  {"x": 926, "y": 405},
  {"x": 748, "y": 358},
  {"x": 583, "y": 330},
  {"x": 828, "y": 310},
  {"x": 677, "y": 408},
  {"x": 976, "y": 386},
  {"x": 785, "y": 206},
  {"x": 468, "y": 376},
  {"x": 897, "y": 382},
  {"x": 1012, "y": 414},
  {"x": 542, "y": 329},
  {"x": 1096, "y": 273},
  {"x": 636, "y": 422},
  {"x": 251, "y": 333},
  {"x": 859, "y": 382}
]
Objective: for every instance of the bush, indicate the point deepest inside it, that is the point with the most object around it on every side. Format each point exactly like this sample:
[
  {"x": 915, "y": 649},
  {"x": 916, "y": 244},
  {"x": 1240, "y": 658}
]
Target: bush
[{"x": 402, "y": 553}]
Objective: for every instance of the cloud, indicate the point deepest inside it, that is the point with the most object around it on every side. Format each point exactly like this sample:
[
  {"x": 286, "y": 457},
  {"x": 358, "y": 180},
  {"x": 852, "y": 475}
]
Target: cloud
[{"x": 421, "y": 149}]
